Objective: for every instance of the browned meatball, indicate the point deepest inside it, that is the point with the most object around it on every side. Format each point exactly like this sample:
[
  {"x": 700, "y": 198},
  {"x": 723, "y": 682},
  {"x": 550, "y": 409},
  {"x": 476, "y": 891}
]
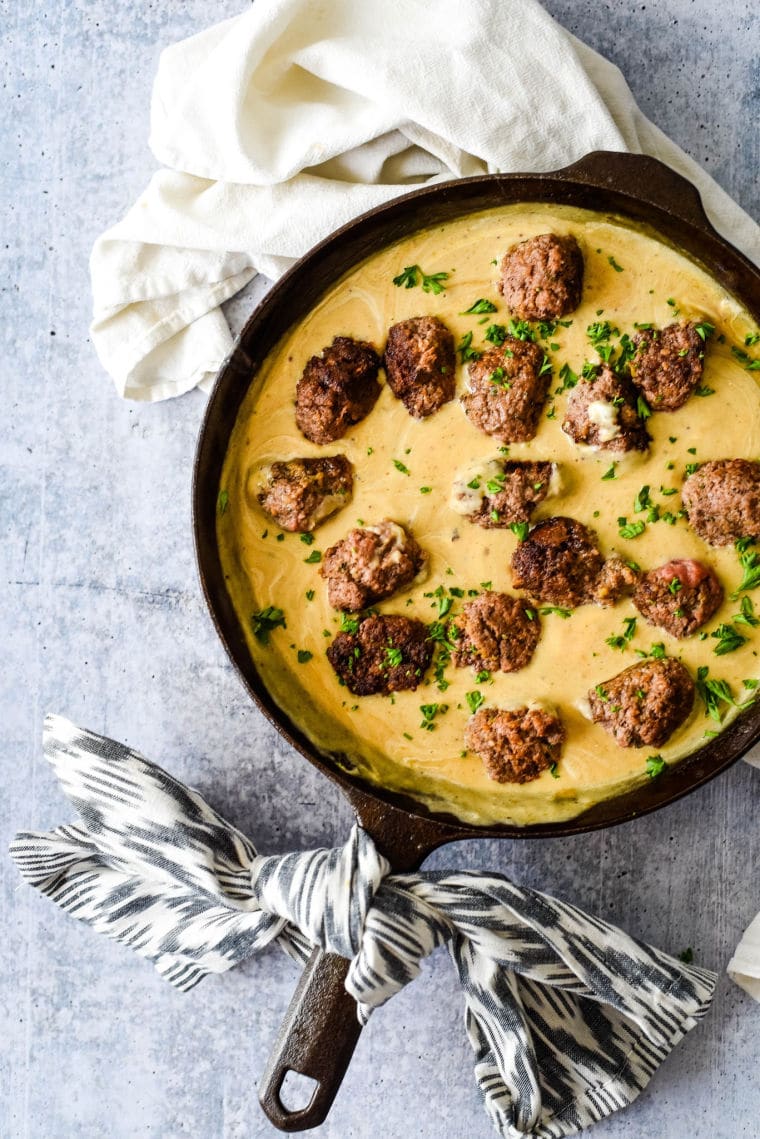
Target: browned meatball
[
  {"x": 558, "y": 562},
  {"x": 420, "y": 364},
  {"x": 722, "y": 500},
  {"x": 616, "y": 579},
  {"x": 601, "y": 413},
  {"x": 386, "y": 654},
  {"x": 497, "y": 494},
  {"x": 507, "y": 391},
  {"x": 337, "y": 389},
  {"x": 644, "y": 704},
  {"x": 515, "y": 745},
  {"x": 495, "y": 632},
  {"x": 679, "y": 596},
  {"x": 542, "y": 278},
  {"x": 298, "y": 494},
  {"x": 667, "y": 365},
  {"x": 369, "y": 564}
]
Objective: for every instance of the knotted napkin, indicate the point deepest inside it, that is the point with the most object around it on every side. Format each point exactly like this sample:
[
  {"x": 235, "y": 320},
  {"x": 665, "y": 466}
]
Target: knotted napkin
[
  {"x": 281, "y": 124},
  {"x": 567, "y": 1015}
]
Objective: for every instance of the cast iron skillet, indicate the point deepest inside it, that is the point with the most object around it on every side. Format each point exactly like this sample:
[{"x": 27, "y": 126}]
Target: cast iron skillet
[{"x": 320, "y": 1030}]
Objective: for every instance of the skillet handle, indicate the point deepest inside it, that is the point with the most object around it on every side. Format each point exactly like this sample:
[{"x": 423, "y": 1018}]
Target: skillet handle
[
  {"x": 650, "y": 180},
  {"x": 320, "y": 1030},
  {"x": 317, "y": 1039}
]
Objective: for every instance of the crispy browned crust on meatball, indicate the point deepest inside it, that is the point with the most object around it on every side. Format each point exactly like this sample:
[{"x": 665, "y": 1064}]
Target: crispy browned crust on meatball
[
  {"x": 679, "y": 596},
  {"x": 512, "y": 493},
  {"x": 667, "y": 365},
  {"x": 298, "y": 494},
  {"x": 507, "y": 391},
  {"x": 515, "y": 745},
  {"x": 722, "y": 499},
  {"x": 388, "y": 653},
  {"x": 370, "y": 564},
  {"x": 337, "y": 389},
  {"x": 542, "y": 278},
  {"x": 617, "y": 392},
  {"x": 420, "y": 364},
  {"x": 495, "y": 632},
  {"x": 559, "y": 562},
  {"x": 616, "y": 579},
  {"x": 644, "y": 704}
]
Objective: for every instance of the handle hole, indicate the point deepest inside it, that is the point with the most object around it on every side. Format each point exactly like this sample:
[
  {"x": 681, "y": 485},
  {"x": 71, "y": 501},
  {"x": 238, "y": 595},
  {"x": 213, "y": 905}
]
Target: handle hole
[{"x": 297, "y": 1092}]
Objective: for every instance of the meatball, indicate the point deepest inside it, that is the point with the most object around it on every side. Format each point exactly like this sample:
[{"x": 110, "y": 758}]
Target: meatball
[
  {"x": 722, "y": 500},
  {"x": 558, "y": 562},
  {"x": 507, "y": 390},
  {"x": 370, "y": 564},
  {"x": 420, "y": 364},
  {"x": 679, "y": 596},
  {"x": 497, "y": 494},
  {"x": 337, "y": 389},
  {"x": 667, "y": 365},
  {"x": 298, "y": 494},
  {"x": 515, "y": 745},
  {"x": 644, "y": 704},
  {"x": 385, "y": 654},
  {"x": 542, "y": 278},
  {"x": 494, "y": 632},
  {"x": 616, "y": 579},
  {"x": 601, "y": 414}
]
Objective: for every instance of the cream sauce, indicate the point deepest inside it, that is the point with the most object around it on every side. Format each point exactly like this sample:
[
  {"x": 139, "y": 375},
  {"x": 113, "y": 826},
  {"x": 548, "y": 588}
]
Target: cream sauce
[{"x": 381, "y": 737}]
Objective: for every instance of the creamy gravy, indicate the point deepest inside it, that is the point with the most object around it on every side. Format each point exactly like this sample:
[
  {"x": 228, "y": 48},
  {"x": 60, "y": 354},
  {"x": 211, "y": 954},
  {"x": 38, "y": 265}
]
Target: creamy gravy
[{"x": 381, "y": 737}]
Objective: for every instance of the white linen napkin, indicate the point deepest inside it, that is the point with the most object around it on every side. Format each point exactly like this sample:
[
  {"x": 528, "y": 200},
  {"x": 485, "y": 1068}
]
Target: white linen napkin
[{"x": 279, "y": 125}]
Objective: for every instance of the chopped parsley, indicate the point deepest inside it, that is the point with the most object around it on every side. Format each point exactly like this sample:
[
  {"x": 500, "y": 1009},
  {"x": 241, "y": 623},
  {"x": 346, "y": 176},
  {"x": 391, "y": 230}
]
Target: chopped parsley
[
  {"x": 521, "y": 330},
  {"x": 553, "y": 770},
  {"x": 520, "y": 529},
  {"x": 496, "y": 334},
  {"x": 429, "y": 713},
  {"x": 614, "y": 264},
  {"x": 609, "y": 473},
  {"x": 545, "y": 610},
  {"x": 401, "y": 466},
  {"x": 480, "y": 306},
  {"x": 655, "y": 766},
  {"x": 314, "y": 557},
  {"x": 631, "y": 529},
  {"x": 704, "y": 329},
  {"x": 222, "y": 501},
  {"x": 568, "y": 377},
  {"x": 620, "y": 640},
  {"x": 474, "y": 700},
  {"x": 309, "y": 594},
  {"x": 263, "y": 622},
  {"x": 749, "y": 561},
  {"x": 304, "y": 656},
  {"x": 465, "y": 349},
  {"x": 643, "y": 410},
  {"x": 703, "y": 390},
  {"x": 714, "y": 694},
  {"x": 393, "y": 657},
  {"x": 307, "y": 539},
  {"x": 729, "y": 639},
  {"x": 413, "y": 275}
]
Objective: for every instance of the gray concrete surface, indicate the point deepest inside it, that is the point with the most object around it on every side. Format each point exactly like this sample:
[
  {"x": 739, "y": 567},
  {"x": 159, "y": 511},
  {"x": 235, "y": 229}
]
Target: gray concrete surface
[{"x": 102, "y": 621}]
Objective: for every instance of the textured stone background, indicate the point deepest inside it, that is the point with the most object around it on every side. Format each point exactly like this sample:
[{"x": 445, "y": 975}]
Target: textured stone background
[{"x": 103, "y": 622}]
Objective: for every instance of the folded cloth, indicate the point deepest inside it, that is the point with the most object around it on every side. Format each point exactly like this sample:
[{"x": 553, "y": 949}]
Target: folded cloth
[
  {"x": 281, "y": 124},
  {"x": 568, "y": 1016},
  {"x": 744, "y": 966}
]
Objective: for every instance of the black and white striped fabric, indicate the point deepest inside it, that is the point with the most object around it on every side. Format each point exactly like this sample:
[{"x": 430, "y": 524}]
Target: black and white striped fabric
[{"x": 568, "y": 1016}]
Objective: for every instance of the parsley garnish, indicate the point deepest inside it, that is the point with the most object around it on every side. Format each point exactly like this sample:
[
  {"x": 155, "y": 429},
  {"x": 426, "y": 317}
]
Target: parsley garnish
[
  {"x": 429, "y": 713},
  {"x": 520, "y": 529},
  {"x": 314, "y": 557},
  {"x": 621, "y": 640},
  {"x": 465, "y": 349},
  {"x": 568, "y": 377},
  {"x": 521, "y": 330},
  {"x": 643, "y": 410},
  {"x": 307, "y": 539},
  {"x": 265, "y": 620},
  {"x": 631, "y": 529},
  {"x": 496, "y": 334},
  {"x": 304, "y": 656},
  {"x": 431, "y": 283},
  {"x": 729, "y": 639},
  {"x": 222, "y": 501},
  {"x": 704, "y": 329},
  {"x": 713, "y": 693},
  {"x": 655, "y": 766},
  {"x": 401, "y": 466},
  {"x": 474, "y": 700},
  {"x": 480, "y": 306},
  {"x": 609, "y": 473},
  {"x": 749, "y": 560},
  {"x": 393, "y": 657},
  {"x": 614, "y": 264},
  {"x": 545, "y": 610}
]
